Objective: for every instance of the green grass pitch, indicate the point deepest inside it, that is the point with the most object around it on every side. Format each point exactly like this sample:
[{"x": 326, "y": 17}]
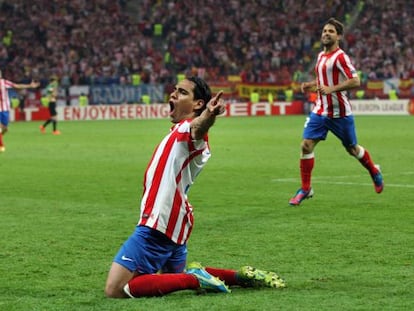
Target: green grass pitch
[{"x": 68, "y": 202}]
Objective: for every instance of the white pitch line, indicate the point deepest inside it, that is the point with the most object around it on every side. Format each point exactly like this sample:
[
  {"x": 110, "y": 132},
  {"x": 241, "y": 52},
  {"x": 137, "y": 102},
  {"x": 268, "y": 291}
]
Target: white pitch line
[
  {"x": 322, "y": 180},
  {"x": 361, "y": 184}
]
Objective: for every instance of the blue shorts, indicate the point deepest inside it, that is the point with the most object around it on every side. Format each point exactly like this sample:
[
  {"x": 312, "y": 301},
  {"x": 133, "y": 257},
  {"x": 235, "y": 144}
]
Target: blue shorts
[
  {"x": 149, "y": 251},
  {"x": 4, "y": 118},
  {"x": 317, "y": 127}
]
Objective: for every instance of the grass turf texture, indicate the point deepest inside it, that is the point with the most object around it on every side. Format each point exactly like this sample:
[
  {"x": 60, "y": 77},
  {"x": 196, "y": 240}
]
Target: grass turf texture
[{"x": 68, "y": 202}]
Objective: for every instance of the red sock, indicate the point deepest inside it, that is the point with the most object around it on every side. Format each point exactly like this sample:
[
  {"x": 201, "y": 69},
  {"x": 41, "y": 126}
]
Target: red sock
[
  {"x": 228, "y": 276},
  {"x": 367, "y": 162},
  {"x": 1, "y": 139},
  {"x": 306, "y": 167},
  {"x": 148, "y": 285}
]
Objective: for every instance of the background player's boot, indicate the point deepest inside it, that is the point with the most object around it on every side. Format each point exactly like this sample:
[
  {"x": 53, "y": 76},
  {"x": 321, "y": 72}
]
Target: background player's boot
[
  {"x": 300, "y": 196},
  {"x": 378, "y": 180}
]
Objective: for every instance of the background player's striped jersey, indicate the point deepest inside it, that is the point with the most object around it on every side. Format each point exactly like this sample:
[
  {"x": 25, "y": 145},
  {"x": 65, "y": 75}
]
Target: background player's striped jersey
[{"x": 331, "y": 69}]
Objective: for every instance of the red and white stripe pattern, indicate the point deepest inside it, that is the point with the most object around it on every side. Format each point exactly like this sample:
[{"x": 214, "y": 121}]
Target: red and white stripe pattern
[
  {"x": 173, "y": 168},
  {"x": 4, "y": 95},
  {"x": 331, "y": 69}
]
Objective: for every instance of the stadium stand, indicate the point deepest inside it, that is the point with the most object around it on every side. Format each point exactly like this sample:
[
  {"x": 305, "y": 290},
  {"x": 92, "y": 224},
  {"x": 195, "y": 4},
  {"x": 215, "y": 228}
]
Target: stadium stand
[{"x": 105, "y": 41}]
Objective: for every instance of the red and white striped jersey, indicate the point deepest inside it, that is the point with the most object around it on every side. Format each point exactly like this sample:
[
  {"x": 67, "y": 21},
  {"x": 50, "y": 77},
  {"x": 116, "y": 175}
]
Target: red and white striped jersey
[
  {"x": 4, "y": 95},
  {"x": 175, "y": 164},
  {"x": 331, "y": 69}
]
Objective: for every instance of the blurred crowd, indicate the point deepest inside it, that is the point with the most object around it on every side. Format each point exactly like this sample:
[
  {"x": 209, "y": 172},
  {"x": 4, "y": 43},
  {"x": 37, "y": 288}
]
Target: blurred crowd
[{"x": 108, "y": 41}]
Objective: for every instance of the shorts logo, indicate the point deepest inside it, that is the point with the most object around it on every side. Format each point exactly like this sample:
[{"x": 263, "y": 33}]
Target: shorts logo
[{"x": 126, "y": 258}]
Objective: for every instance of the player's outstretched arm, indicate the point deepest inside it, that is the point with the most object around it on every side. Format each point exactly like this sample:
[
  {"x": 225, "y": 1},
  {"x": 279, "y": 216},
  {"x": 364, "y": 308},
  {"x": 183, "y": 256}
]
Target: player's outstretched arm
[{"x": 32, "y": 85}]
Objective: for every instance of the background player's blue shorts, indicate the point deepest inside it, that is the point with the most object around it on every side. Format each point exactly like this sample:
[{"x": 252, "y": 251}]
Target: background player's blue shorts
[
  {"x": 317, "y": 127},
  {"x": 149, "y": 251},
  {"x": 4, "y": 118}
]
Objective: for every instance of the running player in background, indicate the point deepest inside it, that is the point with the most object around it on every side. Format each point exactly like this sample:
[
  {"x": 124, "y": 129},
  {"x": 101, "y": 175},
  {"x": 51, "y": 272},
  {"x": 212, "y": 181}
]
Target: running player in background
[
  {"x": 5, "y": 104},
  {"x": 52, "y": 92},
  {"x": 335, "y": 74},
  {"x": 152, "y": 261}
]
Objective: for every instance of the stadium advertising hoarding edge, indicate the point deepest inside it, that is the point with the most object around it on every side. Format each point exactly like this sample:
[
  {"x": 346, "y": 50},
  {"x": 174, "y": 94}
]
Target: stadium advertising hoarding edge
[
  {"x": 152, "y": 111},
  {"x": 237, "y": 109}
]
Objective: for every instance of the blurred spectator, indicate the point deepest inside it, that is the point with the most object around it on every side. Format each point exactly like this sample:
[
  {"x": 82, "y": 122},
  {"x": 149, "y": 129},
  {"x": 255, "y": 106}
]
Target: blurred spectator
[{"x": 102, "y": 42}]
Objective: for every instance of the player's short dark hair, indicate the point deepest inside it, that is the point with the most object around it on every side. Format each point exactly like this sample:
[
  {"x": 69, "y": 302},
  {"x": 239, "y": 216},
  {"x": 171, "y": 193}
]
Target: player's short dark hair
[
  {"x": 339, "y": 27},
  {"x": 201, "y": 91}
]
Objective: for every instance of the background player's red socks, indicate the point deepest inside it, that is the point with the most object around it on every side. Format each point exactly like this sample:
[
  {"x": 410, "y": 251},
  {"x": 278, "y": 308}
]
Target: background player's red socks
[
  {"x": 367, "y": 162},
  {"x": 306, "y": 167}
]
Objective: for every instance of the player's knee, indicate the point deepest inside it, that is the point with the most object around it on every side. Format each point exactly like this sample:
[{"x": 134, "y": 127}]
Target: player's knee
[
  {"x": 306, "y": 147},
  {"x": 112, "y": 291},
  {"x": 109, "y": 291}
]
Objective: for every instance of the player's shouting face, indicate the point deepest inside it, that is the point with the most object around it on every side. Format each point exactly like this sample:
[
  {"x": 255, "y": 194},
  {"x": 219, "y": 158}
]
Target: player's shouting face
[{"x": 182, "y": 102}]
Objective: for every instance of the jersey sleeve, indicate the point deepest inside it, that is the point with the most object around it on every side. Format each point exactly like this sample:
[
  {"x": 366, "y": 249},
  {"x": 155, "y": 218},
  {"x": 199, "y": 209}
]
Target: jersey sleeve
[
  {"x": 346, "y": 66},
  {"x": 9, "y": 84}
]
